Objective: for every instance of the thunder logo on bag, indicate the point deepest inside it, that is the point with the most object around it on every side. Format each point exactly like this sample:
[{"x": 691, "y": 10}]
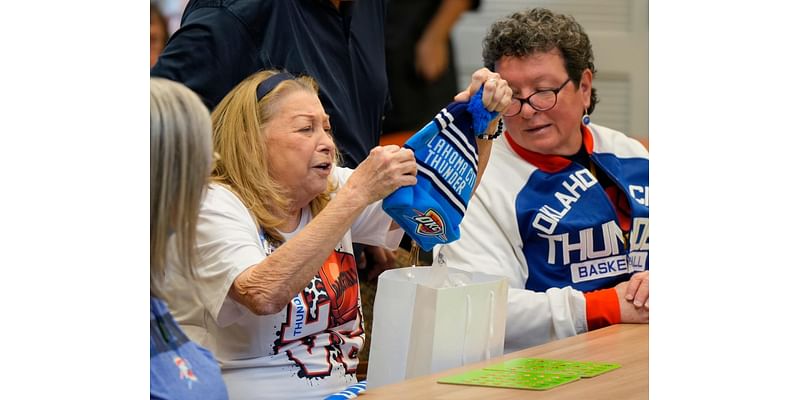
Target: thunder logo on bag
[{"x": 429, "y": 223}]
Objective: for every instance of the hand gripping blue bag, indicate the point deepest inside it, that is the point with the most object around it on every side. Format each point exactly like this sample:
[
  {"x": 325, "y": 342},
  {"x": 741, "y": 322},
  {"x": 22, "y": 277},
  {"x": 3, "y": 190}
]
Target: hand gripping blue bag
[{"x": 447, "y": 166}]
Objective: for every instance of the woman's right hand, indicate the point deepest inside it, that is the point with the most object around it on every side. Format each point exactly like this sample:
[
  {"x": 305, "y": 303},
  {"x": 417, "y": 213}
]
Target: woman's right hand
[{"x": 382, "y": 172}]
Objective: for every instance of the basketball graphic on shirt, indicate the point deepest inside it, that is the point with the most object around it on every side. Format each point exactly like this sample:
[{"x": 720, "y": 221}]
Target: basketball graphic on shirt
[{"x": 340, "y": 278}]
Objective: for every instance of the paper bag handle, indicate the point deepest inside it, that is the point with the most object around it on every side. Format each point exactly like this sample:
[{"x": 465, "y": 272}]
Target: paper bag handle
[
  {"x": 466, "y": 330},
  {"x": 468, "y": 320},
  {"x": 487, "y": 353}
]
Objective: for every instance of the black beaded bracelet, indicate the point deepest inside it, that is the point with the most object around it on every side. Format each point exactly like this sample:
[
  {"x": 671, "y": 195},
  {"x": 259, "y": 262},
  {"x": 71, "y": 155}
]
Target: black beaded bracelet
[{"x": 496, "y": 134}]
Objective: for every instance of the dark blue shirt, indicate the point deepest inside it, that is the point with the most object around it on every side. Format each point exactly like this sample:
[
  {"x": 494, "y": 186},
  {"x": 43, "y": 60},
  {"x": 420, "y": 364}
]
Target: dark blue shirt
[{"x": 221, "y": 42}]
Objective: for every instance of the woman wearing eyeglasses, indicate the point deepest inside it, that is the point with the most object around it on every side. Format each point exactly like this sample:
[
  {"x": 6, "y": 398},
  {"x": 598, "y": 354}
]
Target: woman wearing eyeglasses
[{"x": 564, "y": 205}]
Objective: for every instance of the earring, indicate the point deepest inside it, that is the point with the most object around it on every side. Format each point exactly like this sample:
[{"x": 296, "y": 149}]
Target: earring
[{"x": 585, "y": 118}]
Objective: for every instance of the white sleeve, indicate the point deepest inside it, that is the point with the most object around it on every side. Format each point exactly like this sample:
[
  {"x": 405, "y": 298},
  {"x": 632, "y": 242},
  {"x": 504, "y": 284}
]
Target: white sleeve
[
  {"x": 371, "y": 227},
  {"x": 490, "y": 243},
  {"x": 228, "y": 244},
  {"x": 534, "y": 317}
]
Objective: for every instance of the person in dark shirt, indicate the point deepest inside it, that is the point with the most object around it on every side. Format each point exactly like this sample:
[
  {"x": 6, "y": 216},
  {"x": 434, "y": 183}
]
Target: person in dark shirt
[{"x": 339, "y": 43}]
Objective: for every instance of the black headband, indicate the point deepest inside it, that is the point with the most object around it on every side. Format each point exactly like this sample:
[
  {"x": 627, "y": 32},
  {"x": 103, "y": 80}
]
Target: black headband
[{"x": 269, "y": 84}]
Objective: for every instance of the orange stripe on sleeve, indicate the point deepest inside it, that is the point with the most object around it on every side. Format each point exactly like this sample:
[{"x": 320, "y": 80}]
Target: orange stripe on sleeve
[{"x": 602, "y": 308}]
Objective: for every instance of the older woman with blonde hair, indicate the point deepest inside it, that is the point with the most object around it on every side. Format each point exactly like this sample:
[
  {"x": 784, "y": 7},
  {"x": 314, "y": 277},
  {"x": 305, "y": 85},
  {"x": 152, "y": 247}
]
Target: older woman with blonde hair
[
  {"x": 278, "y": 300},
  {"x": 180, "y": 161}
]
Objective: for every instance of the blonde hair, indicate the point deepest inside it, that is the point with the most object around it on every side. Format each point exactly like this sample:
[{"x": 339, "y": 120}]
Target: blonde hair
[
  {"x": 180, "y": 161},
  {"x": 238, "y": 138}
]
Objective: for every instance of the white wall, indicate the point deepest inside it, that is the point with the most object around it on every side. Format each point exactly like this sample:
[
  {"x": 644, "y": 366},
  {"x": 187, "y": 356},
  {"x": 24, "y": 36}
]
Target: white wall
[{"x": 618, "y": 30}]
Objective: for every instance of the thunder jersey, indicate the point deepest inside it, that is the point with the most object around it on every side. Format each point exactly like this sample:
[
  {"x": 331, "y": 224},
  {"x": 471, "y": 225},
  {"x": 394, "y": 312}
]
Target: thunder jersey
[
  {"x": 571, "y": 231},
  {"x": 547, "y": 224}
]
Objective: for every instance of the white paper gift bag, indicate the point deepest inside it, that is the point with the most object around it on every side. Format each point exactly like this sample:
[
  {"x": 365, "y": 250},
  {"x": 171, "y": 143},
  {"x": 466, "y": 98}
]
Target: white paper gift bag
[{"x": 428, "y": 319}]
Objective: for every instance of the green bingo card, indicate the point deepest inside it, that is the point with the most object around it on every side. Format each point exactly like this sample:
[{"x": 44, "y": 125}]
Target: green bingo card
[
  {"x": 530, "y": 373},
  {"x": 584, "y": 369}
]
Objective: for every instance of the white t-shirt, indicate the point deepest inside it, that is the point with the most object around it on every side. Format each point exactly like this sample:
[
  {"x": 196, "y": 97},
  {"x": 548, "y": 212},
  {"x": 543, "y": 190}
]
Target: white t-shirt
[{"x": 308, "y": 350}]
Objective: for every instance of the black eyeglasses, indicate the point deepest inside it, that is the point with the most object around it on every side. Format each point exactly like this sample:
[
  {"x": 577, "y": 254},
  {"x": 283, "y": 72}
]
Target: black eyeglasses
[{"x": 541, "y": 100}]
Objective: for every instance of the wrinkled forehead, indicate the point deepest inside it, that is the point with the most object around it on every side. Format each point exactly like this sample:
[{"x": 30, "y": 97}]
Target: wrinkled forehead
[{"x": 299, "y": 102}]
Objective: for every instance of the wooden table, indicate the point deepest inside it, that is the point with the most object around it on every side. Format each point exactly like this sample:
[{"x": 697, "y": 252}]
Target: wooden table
[{"x": 626, "y": 344}]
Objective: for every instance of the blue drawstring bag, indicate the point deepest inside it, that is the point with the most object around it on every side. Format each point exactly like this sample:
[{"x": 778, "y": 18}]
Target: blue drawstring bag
[{"x": 447, "y": 166}]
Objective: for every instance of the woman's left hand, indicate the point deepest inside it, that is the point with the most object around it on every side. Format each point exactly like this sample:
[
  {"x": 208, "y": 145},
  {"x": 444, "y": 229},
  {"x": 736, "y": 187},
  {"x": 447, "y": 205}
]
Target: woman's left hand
[
  {"x": 385, "y": 169},
  {"x": 638, "y": 290}
]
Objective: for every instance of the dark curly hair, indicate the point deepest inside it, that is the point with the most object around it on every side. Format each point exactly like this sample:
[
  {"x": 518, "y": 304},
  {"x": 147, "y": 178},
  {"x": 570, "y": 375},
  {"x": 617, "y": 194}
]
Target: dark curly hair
[{"x": 541, "y": 30}]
